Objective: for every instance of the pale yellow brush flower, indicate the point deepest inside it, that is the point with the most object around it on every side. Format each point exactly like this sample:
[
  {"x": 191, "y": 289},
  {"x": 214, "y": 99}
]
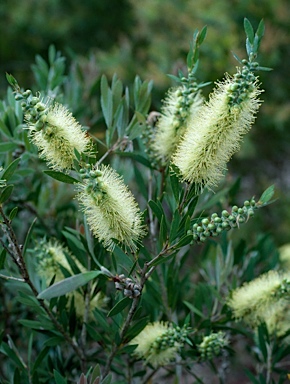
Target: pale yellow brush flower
[
  {"x": 178, "y": 108},
  {"x": 111, "y": 210},
  {"x": 97, "y": 301},
  {"x": 50, "y": 256},
  {"x": 158, "y": 343},
  {"x": 277, "y": 318},
  {"x": 251, "y": 301},
  {"x": 215, "y": 132},
  {"x": 284, "y": 252},
  {"x": 59, "y": 136}
]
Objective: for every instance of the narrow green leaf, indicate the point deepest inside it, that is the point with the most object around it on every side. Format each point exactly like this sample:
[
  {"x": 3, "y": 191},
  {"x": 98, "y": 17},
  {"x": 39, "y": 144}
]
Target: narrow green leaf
[
  {"x": 13, "y": 213},
  {"x": 6, "y": 147},
  {"x": 106, "y": 101},
  {"x": 202, "y": 35},
  {"x": 9, "y": 171},
  {"x": 11, "y": 80},
  {"x": 68, "y": 285},
  {"x": 174, "y": 226},
  {"x": 96, "y": 373},
  {"x": 184, "y": 241},
  {"x": 107, "y": 379},
  {"x": 6, "y": 192},
  {"x": 237, "y": 58},
  {"x": 2, "y": 258},
  {"x": 158, "y": 212},
  {"x": 163, "y": 230},
  {"x": 58, "y": 378},
  {"x": 267, "y": 195},
  {"x": 61, "y": 177},
  {"x": 249, "y": 30},
  {"x": 265, "y": 69},
  {"x": 174, "y": 186},
  {"x": 261, "y": 29},
  {"x": 119, "y": 306},
  {"x": 27, "y": 238},
  {"x": 135, "y": 156},
  {"x": 172, "y": 77}
]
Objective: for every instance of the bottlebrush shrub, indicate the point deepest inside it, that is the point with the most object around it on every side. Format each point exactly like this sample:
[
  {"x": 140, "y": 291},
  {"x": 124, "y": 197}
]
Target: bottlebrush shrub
[{"x": 122, "y": 259}]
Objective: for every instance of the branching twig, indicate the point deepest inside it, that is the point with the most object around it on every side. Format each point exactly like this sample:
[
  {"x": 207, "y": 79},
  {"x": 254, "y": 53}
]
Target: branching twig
[{"x": 17, "y": 256}]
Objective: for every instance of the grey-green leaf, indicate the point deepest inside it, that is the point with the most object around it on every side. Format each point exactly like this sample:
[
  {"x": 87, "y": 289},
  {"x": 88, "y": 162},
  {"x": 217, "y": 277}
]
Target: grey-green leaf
[
  {"x": 61, "y": 177},
  {"x": 249, "y": 30},
  {"x": 68, "y": 285}
]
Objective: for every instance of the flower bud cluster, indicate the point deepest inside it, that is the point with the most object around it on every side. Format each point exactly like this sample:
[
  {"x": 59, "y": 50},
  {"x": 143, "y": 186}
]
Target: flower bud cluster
[
  {"x": 180, "y": 104},
  {"x": 243, "y": 83},
  {"x": 185, "y": 96},
  {"x": 212, "y": 345},
  {"x": 173, "y": 337},
  {"x": 128, "y": 286},
  {"x": 94, "y": 183},
  {"x": 34, "y": 109},
  {"x": 215, "y": 225}
]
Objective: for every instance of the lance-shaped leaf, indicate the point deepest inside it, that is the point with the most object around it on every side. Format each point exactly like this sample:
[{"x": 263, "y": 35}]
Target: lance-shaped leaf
[{"x": 68, "y": 285}]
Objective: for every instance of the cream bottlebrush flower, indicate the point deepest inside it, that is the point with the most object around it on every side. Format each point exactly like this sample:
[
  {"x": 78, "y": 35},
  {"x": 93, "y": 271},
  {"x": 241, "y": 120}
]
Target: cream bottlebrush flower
[
  {"x": 60, "y": 134},
  {"x": 215, "y": 132},
  {"x": 97, "y": 301},
  {"x": 284, "y": 252},
  {"x": 179, "y": 106},
  {"x": 253, "y": 299},
  {"x": 110, "y": 208},
  {"x": 277, "y": 318},
  {"x": 51, "y": 255},
  {"x": 159, "y": 343}
]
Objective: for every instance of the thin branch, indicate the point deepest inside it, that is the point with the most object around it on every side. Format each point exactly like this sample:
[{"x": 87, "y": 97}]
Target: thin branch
[
  {"x": 12, "y": 278},
  {"x": 20, "y": 262}
]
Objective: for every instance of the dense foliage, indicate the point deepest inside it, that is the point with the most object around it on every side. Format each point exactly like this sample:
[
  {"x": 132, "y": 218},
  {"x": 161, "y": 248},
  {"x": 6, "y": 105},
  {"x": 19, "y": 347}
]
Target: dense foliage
[{"x": 162, "y": 274}]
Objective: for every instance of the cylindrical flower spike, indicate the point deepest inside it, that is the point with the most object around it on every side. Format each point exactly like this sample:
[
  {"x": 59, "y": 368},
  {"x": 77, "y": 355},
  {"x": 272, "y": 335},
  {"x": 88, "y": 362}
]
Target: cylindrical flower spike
[
  {"x": 253, "y": 300},
  {"x": 215, "y": 132},
  {"x": 56, "y": 133},
  {"x": 159, "y": 343},
  {"x": 180, "y": 105},
  {"x": 111, "y": 210}
]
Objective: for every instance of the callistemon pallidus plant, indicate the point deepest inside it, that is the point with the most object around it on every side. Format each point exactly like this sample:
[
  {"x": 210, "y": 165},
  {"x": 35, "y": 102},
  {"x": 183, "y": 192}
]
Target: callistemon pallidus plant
[
  {"x": 167, "y": 304},
  {"x": 215, "y": 131}
]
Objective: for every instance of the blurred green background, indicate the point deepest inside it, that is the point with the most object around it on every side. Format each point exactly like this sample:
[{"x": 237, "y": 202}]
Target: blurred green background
[{"x": 151, "y": 38}]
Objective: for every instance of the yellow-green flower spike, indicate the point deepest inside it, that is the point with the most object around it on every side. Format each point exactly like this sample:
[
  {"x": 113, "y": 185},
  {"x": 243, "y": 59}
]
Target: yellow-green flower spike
[
  {"x": 215, "y": 132},
  {"x": 111, "y": 210}
]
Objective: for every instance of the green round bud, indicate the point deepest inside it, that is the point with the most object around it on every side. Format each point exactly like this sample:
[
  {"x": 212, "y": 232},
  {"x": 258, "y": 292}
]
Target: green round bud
[
  {"x": 240, "y": 211},
  {"x": 205, "y": 221},
  {"x": 244, "y": 61},
  {"x": 246, "y": 203},
  {"x": 202, "y": 239},
  {"x": 211, "y": 226},
  {"x": 40, "y": 106},
  {"x": 27, "y": 93},
  {"x": 251, "y": 212},
  {"x": 219, "y": 229},
  {"x": 225, "y": 225},
  {"x": 189, "y": 232},
  {"x": 34, "y": 100},
  {"x": 38, "y": 125},
  {"x": 217, "y": 220},
  {"x": 195, "y": 226},
  {"x": 214, "y": 215},
  {"x": 225, "y": 213},
  {"x": 199, "y": 229},
  {"x": 241, "y": 219},
  {"x": 235, "y": 208}
]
